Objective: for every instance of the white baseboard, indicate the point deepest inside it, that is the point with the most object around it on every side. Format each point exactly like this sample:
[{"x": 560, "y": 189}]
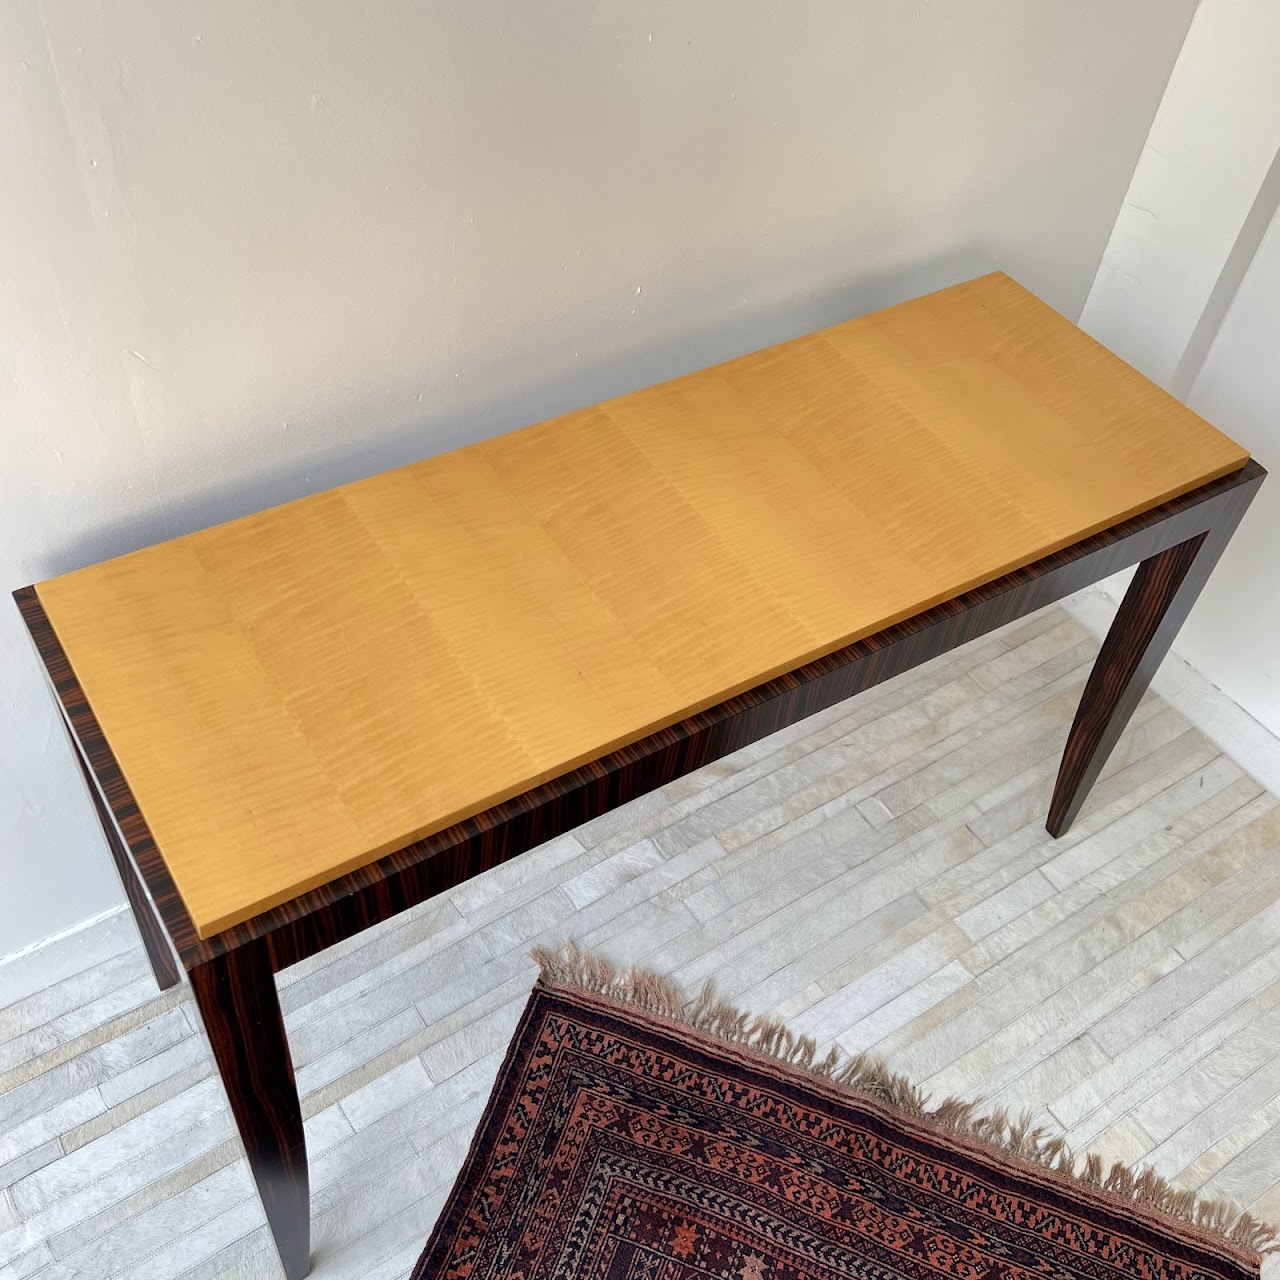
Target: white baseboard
[{"x": 69, "y": 951}]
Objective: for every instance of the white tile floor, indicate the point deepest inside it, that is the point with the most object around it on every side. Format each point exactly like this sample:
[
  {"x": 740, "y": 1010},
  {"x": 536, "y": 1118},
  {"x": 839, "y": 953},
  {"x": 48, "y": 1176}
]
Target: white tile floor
[{"x": 880, "y": 874}]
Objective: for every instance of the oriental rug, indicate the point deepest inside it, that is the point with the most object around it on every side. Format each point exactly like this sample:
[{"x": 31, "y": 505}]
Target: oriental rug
[{"x": 633, "y": 1135}]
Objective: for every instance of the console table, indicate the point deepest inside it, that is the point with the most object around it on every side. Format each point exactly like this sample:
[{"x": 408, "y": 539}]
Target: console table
[{"x": 298, "y": 723}]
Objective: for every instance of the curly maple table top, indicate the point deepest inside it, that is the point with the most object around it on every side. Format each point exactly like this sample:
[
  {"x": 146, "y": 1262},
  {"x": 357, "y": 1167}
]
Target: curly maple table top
[{"x": 293, "y": 694}]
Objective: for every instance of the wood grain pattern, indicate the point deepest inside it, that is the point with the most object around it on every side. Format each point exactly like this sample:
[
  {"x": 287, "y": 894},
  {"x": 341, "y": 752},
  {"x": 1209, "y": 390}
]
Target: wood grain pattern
[
  {"x": 154, "y": 938},
  {"x": 325, "y": 915},
  {"x": 237, "y": 997},
  {"x": 297, "y": 693},
  {"x": 1154, "y": 608}
]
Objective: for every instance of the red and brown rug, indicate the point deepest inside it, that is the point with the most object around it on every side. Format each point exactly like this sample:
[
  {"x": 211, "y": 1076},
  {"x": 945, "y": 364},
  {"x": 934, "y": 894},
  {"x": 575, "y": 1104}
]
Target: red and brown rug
[{"x": 634, "y": 1136}]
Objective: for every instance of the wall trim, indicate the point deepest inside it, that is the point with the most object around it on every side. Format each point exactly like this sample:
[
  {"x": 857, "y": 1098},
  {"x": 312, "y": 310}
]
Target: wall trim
[{"x": 64, "y": 934}]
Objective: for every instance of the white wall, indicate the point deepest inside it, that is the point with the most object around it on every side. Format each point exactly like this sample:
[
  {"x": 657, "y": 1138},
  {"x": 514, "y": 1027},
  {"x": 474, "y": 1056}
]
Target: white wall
[
  {"x": 254, "y": 249},
  {"x": 1189, "y": 292},
  {"x": 1233, "y": 636}
]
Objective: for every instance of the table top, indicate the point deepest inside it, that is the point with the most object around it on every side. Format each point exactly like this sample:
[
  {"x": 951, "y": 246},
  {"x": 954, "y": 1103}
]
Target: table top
[{"x": 293, "y": 694}]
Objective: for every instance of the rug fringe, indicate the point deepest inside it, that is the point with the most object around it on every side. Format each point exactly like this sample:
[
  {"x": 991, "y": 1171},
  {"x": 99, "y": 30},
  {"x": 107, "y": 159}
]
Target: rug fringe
[{"x": 1016, "y": 1136}]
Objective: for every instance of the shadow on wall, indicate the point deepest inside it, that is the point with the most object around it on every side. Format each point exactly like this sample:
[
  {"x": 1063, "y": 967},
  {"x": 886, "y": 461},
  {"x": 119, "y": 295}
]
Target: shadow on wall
[{"x": 381, "y": 446}]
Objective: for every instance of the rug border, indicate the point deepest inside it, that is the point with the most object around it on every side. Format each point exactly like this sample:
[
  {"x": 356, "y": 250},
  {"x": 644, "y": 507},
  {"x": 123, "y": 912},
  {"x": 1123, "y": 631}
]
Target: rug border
[
  {"x": 457, "y": 1190},
  {"x": 766, "y": 1046},
  {"x": 1209, "y": 1222}
]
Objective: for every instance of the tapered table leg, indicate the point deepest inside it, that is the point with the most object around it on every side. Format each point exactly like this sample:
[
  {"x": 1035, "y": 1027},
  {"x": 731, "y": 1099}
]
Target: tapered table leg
[
  {"x": 164, "y": 963},
  {"x": 236, "y": 993},
  {"x": 1154, "y": 609}
]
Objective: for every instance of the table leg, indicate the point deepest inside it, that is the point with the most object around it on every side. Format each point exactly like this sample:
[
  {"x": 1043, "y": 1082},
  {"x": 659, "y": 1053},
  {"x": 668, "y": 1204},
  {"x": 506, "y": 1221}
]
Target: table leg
[
  {"x": 1158, "y": 600},
  {"x": 164, "y": 963},
  {"x": 236, "y": 993}
]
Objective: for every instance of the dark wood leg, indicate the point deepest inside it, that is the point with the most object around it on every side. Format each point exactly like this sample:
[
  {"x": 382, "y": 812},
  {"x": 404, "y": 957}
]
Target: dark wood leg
[
  {"x": 164, "y": 963},
  {"x": 236, "y": 993},
  {"x": 1153, "y": 611}
]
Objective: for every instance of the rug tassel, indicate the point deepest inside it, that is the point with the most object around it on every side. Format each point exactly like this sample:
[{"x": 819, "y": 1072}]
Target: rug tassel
[{"x": 1021, "y": 1138}]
